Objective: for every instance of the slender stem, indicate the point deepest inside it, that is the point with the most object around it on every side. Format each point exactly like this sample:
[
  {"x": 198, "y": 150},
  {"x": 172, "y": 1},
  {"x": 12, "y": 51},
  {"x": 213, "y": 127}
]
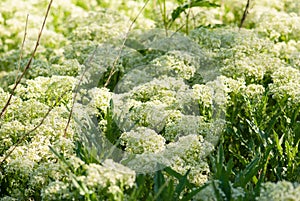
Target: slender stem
[
  {"x": 187, "y": 20},
  {"x": 29, "y": 62},
  {"x": 246, "y": 11},
  {"x": 22, "y": 48},
  {"x": 113, "y": 71},
  {"x": 165, "y": 17},
  {"x": 76, "y": 93}
]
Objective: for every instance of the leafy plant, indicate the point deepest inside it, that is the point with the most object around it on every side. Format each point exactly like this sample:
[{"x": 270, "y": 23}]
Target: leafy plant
[
  {"x": 183, "y": 7},
  {"x": 151, "y": 94}
]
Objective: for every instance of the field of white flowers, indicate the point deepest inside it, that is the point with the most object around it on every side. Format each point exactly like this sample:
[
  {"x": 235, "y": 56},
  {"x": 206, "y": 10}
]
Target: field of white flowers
[{"x": 150, "y": 100}]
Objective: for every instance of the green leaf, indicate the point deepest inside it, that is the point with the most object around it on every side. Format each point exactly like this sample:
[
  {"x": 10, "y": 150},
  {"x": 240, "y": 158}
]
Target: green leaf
[
  {"x": 248, "y": 173},
  {"x": 222, "y": 172},
  {"x": 279, "y": 143},
  {"x": 217, "y": 191},
  {"x": 83, "y": 189},
  {"x": 220, "y": 161},
  {"x": 182, "y": 183},
  {"x": 264, "y": 163},
  {"x": 191, "y": 194},
  {"x": 159, "y": 184},
  {"x": 177, "y": 175},
  {"x": 62, "y": 158},
  {"x": 198, "y": 3}
]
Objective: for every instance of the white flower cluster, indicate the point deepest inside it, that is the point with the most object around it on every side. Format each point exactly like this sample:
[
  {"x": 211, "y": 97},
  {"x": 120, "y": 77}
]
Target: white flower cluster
[
  {"x": 57, "y": 190},
  {"x": 274, "y": 24},
  {"x": 253, "y": 68},
  {"x": 111, "y": 176},
  {"x": 112, "y": 26},
  {"x": 12, "y": 23},
  {"x": 282, "y": 190},
  {"x": 179, "y": 124},
  {"x": 189, "y": 153},
  {"x": 204, "y": 94},
  {"x": 149, "y": 104},
  {"x": 131, "y": 8},
  {"x": 132, "y": 113},
  {"x": 30, "y": 166},
  {"x": 210, "y": 192},
  {"x": 253, "y": 93},
  {"x": 142, "y": 140},
  {"x": 68, "y": 67},
  {"x": 48, "y": 90},
  {"x": 146, "y": 162},
  {"x": 240, "y": 54},
  {"x": 286, "y": 83},
  {"x": 178, "y": 63},
  {"x": 168, "y": 102},
  {"x": 288, "y": 51},
  {"x": 230, "y": 41},
  {"x": 224, "y": 86},
  {"x": 100, "y": 98},
  {"x": 254, "y": 90}
]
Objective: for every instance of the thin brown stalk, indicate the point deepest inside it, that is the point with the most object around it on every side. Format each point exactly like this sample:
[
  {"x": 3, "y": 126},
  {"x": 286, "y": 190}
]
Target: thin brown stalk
[
  {"x": 113, "y": 71},
  {"x": 184, "y": 24},
  {"x": 246, "y": 11},
  {"x": 76, "y": 93},
  {"x": 22, "y": 48},
  {"x": 187, "y": 21},
  {"x": 26, "y": 135},
  {"x": 27, "y": 67},
  {"x": 222, "y": 7}
]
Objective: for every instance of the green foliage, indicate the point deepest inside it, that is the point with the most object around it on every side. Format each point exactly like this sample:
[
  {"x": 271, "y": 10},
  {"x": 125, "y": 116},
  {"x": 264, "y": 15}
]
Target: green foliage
[
  {"x": 149, "y": 106},
  {"x": 199, "y": 3}
]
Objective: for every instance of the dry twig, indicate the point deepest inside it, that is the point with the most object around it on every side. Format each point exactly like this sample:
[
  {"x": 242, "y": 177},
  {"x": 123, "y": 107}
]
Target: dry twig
[
  {"x": 113, "y": 71},
  {"x": 22, "y": 47},
  {"x": 76, "y": 93},
  {"x": 246, "y": 11},
  {"x": 28, "y": 63}
]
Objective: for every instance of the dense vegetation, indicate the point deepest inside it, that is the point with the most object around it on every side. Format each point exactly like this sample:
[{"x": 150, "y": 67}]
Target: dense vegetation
[{"x": 150, "y": 100}]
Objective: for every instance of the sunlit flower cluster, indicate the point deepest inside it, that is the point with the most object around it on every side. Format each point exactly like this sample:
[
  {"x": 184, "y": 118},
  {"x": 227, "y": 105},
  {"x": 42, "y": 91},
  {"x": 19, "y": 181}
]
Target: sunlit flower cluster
[
  {"x": 30, "y": 166},
  {"x": 57, "y": 190},
  {"x": 253, "y": 92},
  {"x": 142, "y": 140},
  {"x": 286, "y": 84},
  {"x": 213, "y": 190},
  {"x": 107, "y": 180},
  {"x": 188, "y": 153},
  {"x": 166, "y": 99},
  {"x": 110, "y": 175},
  {"x": 174, "y": 62},
  {"x": 48, "y": 90},
  {"x": 240, "y": 54},
  {"x": 100, "y": 99},
  {"x": 282, "y": 190},
  {"x": 112, "y": 26},
  {"x": 131, "y": 8},
  {"x": 149, "y": 104},
  {"x": 276, "y": 25}
]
